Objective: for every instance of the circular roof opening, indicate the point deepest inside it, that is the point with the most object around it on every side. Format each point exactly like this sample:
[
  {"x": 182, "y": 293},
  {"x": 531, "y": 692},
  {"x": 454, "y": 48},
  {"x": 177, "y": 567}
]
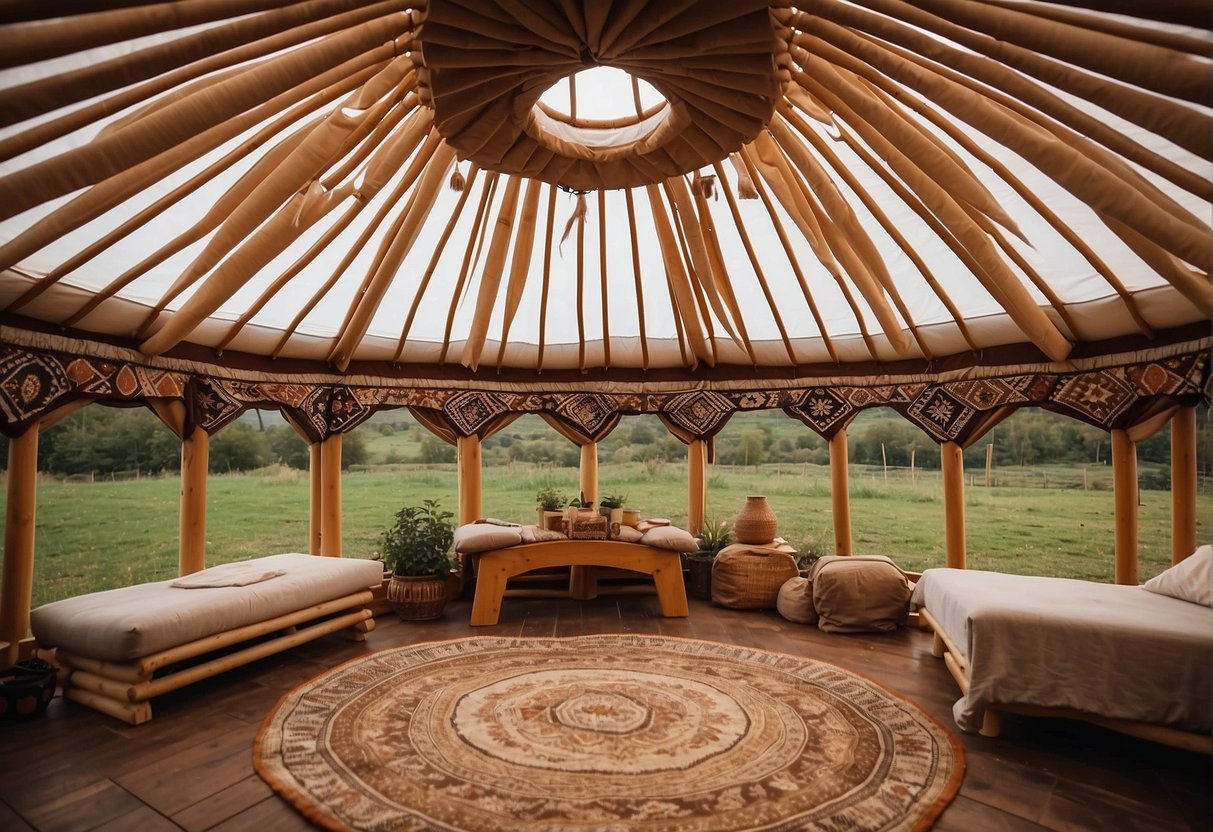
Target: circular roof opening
[{"x": 602, "y": 93}]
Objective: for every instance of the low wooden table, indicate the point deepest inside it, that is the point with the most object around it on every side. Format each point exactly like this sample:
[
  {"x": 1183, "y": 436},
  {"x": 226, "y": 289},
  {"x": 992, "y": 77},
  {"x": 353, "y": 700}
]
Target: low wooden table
[{"x": 497, "y": 566}]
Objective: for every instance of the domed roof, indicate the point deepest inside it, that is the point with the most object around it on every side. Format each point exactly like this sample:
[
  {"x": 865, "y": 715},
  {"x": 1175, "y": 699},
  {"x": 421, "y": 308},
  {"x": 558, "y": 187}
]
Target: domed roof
[{"x": 827, "y": 183}]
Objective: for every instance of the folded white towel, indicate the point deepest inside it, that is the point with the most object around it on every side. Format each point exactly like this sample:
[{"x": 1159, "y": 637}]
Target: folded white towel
[{"x": 227, "y": 574}]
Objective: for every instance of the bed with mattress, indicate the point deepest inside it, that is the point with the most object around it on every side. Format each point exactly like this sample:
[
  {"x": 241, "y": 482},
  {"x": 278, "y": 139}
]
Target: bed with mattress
[
  {"x": 120, "y": 648},
  {"x": 1131, "y": 658}
]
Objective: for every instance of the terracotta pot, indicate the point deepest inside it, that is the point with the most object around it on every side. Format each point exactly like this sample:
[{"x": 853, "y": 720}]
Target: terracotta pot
[
  {"x": 631, "y": 517},
  {"x": 418, "y": 597},
  {"x": 756, "y": 523}
]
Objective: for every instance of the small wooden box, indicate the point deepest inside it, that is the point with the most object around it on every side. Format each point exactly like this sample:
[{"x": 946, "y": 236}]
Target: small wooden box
[{"x": 588, "y": 528}]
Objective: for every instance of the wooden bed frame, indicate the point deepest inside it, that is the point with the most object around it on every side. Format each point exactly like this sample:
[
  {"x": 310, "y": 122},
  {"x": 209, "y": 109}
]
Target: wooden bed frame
[
  {"x": 943, "y": 647},
  {"x": 123, "y": 689},
  {"x": 495, "y": 567}
]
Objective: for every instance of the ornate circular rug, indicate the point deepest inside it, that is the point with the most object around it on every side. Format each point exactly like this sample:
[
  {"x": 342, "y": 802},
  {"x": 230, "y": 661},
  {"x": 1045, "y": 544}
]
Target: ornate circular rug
[{"x": 623, "y": 732}]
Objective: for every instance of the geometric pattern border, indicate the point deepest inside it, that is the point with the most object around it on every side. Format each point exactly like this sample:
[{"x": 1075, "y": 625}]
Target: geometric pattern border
[{"x": 34, "y": 382}]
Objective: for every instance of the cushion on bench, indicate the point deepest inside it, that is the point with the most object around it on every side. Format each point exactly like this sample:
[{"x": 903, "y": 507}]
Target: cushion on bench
[{"x": 120, "y": 625}]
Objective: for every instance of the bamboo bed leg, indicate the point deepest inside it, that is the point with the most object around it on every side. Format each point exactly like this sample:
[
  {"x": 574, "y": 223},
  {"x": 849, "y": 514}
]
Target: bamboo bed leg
[
  {"x": 991, "y": 723},
  {"x": 937, "y": 646}
]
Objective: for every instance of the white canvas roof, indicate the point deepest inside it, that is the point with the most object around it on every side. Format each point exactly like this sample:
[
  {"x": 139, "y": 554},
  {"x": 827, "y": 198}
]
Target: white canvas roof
[{"x": 827, "y": 182}]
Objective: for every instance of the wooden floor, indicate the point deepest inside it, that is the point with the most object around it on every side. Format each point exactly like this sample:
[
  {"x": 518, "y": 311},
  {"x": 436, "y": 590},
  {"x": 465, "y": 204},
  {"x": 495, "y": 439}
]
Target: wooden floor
[{"x": 191, "y": 766}]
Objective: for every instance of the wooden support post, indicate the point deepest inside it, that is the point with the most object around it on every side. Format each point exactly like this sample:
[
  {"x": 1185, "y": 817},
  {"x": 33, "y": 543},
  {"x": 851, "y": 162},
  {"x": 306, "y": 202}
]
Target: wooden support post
[
  {"x": 589, "y": 471},
  {"x": 1183, "y": 483},
  {"x": 990, "y": 462},
  {"x": 953, "y": 463},
  {"x": 469, "y": 472},
  {"x": 17, "y": 587},
  {"x": 330, "y": 488},
  {"x": 315, "y": 466},
  {"x": 1124, "y": 490},
  {"x": 195, "y": 463},
  {"x": 840, "y": 491},
  {"x": 697, "y": 485}
]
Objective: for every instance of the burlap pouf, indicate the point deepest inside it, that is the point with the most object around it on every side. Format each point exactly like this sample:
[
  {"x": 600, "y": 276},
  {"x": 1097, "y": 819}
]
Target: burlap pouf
[
  {"x": 748, "y": 577},
  {"x": 859, "y": 594},
  {"x": 795, "y": 602}
]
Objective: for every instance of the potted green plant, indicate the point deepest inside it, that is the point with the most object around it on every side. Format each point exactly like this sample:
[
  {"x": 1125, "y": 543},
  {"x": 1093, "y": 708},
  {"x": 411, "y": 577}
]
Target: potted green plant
[
  {"x": 417, "y": 549},
  {"x": 551, "y": 502},
  {"x": 579, "y": 506},
  {"x": 714, "y": 537},
  {"x": 611, "y": 507}
]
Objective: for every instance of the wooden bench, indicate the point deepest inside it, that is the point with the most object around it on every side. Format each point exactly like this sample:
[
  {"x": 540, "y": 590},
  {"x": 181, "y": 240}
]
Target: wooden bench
[
  {"x": 120, "y": 648},
  {"x": 496, "y": 566}
]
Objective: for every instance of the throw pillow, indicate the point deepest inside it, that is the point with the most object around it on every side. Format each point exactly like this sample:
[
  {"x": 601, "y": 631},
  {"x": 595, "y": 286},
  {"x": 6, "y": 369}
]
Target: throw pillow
[
  {"x": 481, "y": 537},
  {"x": 670, "y": 537},
  {"x": 1188, "y": 580}
]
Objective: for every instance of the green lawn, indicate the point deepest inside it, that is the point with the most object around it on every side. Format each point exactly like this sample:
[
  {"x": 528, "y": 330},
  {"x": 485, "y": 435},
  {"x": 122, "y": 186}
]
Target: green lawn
[{"x": 98, "y": 535}]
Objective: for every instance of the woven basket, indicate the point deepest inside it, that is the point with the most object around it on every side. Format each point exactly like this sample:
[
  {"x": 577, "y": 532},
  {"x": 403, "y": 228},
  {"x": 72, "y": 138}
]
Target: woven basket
[
  {"x": 417, "y": 597},
  {"x": 747, "y": 578},
  {"x": 756, "y": 523}
]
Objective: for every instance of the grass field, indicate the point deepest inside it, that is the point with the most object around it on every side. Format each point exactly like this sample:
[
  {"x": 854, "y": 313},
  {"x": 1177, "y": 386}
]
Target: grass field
[{"x": 99, "y": 535}]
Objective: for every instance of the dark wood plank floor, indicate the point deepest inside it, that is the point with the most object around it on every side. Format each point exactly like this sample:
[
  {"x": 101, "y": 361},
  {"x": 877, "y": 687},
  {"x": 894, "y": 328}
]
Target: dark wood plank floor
[{"x": 191, "y": 767}]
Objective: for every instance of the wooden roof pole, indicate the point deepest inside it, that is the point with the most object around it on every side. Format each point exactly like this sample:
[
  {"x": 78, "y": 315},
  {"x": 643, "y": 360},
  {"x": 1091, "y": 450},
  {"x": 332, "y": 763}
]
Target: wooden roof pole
[
  {"x": 602, "y": 278},
  {"x": 840, "y": 493},
  {"x": 20, "y": 514},
  {"x": 953, "y": 463},
  {"x": 469, "y": 471},
  {"x": 1183, "y": 483},
  {"x": 520, "y": 264},
  {"x": 315, "y": 469},
  {"x": 547, "y": 276},
  {"x": 330, "y": 487},
  {"x": 195, "y": 464},
  {"x": 17, "y": 579},
  {"x": 1125, "y": 498},
  {"x": 470, "y": 255},
  {"x": 588, "y": 471},
  {"x": 697, "y": 485},
  {"x": 644, "y": 338}
]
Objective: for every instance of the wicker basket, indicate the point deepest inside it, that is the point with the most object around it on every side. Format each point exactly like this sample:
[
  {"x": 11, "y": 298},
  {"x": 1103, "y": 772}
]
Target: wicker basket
[
  {"x": 417, "y": 597},
  {"x": 748, "y": 578}
]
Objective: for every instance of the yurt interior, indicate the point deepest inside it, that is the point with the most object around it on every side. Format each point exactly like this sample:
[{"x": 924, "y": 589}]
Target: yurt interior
[{"x": 648, "y": 415}]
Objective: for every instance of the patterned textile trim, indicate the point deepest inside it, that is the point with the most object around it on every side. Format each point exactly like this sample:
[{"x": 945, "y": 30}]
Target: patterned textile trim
[{"x": 35, "y": 380}]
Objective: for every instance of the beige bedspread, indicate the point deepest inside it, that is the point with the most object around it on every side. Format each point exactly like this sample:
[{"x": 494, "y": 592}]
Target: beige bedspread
[
  {"x": 120, "y": 625},
  {"x": 1113, "y": 651}
]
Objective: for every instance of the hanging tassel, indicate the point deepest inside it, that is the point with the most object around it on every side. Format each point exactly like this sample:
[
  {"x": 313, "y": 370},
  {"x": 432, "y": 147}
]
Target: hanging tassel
[
  {"x": 578, "y": 215},
  {"x": 703, "y": 186},
  {"x": 457, "y": 182},
  {"x": 745, "y": 185}
]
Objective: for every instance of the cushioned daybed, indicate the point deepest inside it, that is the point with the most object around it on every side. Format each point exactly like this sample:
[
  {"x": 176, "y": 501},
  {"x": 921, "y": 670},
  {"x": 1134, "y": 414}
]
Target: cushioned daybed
[
  {"x": 1122, "y": 656},
  {"x": 122, "y": 647}
]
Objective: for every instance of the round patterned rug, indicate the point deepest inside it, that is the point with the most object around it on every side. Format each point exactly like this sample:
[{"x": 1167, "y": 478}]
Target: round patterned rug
[{"x": 604, "y": 732}]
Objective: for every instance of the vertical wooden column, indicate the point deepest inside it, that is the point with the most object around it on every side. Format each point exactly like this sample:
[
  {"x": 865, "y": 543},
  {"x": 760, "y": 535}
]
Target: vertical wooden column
[
  {"x": 195, "y": 464},
  {"x": 315, "y": 467},
  {"x": 952, "y": 461},
  {"x": 469, "y": 471},
  {"x": 330, "y": 497},
  {"x": 1183, "y": 483},
  {"x": 841, "y": 493},
  {"x": 17, "y": 579},
  {"x": 1124, "y": 491},
  {"x": 589, "y": 471},
  {"x": 697, "y": 485}
]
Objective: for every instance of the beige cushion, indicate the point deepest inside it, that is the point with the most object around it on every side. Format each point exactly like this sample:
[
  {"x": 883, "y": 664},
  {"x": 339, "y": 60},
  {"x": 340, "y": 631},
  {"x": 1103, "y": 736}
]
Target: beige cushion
[
  {"x": 670, "y": 537},
  {"x": 859, "y": 594},
  {"x": 1189, "y": 580},
  {"x": 629, "y": 535},
  {"x": 120, "y": 625},
  {"x": 481, "y": 537},
  {"x": 795, "y": 601},
  {"x": 534, "y": 534},
  {"x": 747, "y": 577}
]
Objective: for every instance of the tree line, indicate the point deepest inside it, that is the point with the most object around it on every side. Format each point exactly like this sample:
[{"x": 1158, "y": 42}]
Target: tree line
[{"x": 102, "y": 440}]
